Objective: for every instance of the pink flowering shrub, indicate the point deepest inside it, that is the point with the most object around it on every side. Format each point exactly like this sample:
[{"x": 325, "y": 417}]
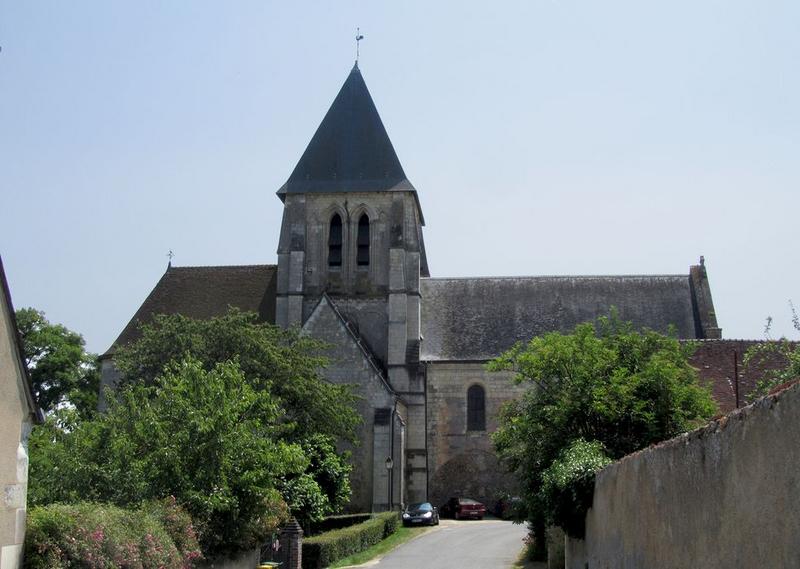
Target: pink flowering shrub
[
  {"x": 178, "y": 524},
  {"x": 96, "y": 536}
]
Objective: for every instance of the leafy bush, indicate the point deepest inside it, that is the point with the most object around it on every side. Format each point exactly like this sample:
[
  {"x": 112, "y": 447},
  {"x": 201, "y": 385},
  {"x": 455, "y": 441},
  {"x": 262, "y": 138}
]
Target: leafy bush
[
  {"x": 96, "y": 536},
  {"x": 326, "y": 548},
  {"x": 177, "y": 523},
  {"x": 568, "y": 485}
]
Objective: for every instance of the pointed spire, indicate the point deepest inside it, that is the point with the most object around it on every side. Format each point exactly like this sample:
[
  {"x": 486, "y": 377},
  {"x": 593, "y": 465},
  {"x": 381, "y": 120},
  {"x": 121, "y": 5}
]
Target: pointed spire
[{"x": 351, "y": 151}]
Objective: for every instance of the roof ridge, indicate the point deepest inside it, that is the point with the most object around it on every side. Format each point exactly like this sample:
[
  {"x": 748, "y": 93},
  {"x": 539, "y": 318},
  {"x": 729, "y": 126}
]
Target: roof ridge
[
  {"x": 722, "y": 340},
  {"x": 511, "y": 277},
  {"x": 191, "y": 267}
]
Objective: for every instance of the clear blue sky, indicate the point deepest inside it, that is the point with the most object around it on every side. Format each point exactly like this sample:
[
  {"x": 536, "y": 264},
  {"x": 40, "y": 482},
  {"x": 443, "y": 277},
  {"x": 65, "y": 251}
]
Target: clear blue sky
[{"x": 544, "y": 137}]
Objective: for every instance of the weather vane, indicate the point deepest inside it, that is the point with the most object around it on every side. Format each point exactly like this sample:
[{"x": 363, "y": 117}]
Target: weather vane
[
  {"x": 359, "y": 37},
  {"x": 170, "y": 255}
]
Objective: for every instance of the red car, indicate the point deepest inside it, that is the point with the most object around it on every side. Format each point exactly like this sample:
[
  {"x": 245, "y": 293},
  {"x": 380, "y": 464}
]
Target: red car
[{"x": 464, "y": 508}]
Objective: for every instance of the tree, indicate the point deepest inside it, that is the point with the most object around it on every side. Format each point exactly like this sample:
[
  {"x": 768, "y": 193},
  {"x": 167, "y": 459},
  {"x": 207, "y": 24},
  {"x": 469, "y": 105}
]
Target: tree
[
  {"x": 61, "y": 370},
  {"x": 315, "y": 413},
  {"x": 604, "y": 384},
  {"x": 324, "y": 487},
  {"x": 568, "y": 483},
  {"x": 208, "y": 438},
  {"x": 229, "y": 416},
  {"x": 283, "y": 362}
]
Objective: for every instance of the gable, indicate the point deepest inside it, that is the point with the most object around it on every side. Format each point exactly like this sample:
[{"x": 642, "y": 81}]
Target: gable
[{"x": 351, "y": 360}]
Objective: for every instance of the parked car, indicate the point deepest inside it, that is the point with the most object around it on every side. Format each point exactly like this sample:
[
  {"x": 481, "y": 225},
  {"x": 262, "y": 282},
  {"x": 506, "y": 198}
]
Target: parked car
[
  {"x": 507, "y": 507},
  {"x": 420, "y": 514},
  {"x": 463, "y": 508}
]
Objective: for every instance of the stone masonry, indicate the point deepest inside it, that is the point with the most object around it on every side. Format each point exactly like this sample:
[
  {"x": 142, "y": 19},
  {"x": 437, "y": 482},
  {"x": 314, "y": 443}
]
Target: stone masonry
[{"x": 462, "y": 462}]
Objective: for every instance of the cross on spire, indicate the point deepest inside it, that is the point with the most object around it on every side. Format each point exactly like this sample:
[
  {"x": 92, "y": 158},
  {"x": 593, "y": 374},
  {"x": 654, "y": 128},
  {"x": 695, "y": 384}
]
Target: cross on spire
[{"x": 359, "y": 37}]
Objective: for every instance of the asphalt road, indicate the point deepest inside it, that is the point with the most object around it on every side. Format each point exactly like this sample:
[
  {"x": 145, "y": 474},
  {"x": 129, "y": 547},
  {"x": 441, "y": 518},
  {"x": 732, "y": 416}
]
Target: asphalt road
[{"x": 488, "y": 544}]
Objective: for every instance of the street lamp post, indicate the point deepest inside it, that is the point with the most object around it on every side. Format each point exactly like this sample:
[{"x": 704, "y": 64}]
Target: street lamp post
[{"x": 389, "y": 466}]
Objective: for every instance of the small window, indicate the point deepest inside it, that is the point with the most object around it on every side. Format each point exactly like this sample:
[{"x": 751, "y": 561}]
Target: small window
[
  {"x": 476, "y": 408},
  {"x": 362, "y": 258},
  {"x": 335, "y": 242}
]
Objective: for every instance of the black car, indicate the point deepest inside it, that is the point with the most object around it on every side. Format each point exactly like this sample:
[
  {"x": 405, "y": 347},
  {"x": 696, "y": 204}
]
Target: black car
[{"x": 420, "y": 514}]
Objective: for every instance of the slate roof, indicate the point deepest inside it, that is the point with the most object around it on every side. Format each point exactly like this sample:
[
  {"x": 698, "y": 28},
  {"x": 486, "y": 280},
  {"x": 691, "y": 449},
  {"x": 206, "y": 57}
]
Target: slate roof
[
  {"x": 478, "y": 318},
  {"x": 205, "y": 292},
  {"x": 351, "y": 150}
]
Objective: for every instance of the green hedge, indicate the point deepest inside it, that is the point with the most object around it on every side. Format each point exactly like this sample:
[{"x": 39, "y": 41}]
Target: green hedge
[
  {"x": 337, "y": 522},
  {"x": 324, "y": 549},
  {"x": 96, "y": 536}
]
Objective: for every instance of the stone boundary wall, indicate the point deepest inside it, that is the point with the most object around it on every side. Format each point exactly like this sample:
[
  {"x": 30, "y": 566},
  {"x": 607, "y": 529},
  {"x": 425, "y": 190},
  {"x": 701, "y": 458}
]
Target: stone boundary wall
[{"x": 726, "y": 495}]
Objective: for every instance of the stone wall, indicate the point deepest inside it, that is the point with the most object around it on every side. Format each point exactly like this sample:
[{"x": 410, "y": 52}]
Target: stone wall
[
  {"x": 462, "y": 462},
  {"x": 726, "y": 495}
]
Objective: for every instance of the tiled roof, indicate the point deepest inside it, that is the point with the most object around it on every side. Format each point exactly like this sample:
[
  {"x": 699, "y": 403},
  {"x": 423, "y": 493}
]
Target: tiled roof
[
  {"x": 205, "y": 292},
  {"x": 479, "y": 318},
  {"x": 714, "y": 360}
]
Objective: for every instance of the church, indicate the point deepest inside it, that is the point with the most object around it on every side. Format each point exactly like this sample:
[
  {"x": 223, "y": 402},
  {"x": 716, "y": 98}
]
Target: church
[{"x": 352, "y": 271}]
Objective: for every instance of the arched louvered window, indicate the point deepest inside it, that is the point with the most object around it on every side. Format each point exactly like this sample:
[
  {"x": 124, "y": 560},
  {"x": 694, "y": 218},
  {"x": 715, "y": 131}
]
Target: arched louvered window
[
  {"x": 335, "y": 242},
  {"x": 476, "y": 408},
  {"x": 362, "y": 256}
]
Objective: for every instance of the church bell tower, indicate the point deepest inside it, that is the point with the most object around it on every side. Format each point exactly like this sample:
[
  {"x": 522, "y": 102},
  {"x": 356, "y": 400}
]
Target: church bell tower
[{"x": 352, "y": 232}]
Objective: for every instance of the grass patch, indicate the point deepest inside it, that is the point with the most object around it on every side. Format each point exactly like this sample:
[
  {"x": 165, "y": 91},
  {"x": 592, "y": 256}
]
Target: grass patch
[{"x": 402, "y": 535}]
